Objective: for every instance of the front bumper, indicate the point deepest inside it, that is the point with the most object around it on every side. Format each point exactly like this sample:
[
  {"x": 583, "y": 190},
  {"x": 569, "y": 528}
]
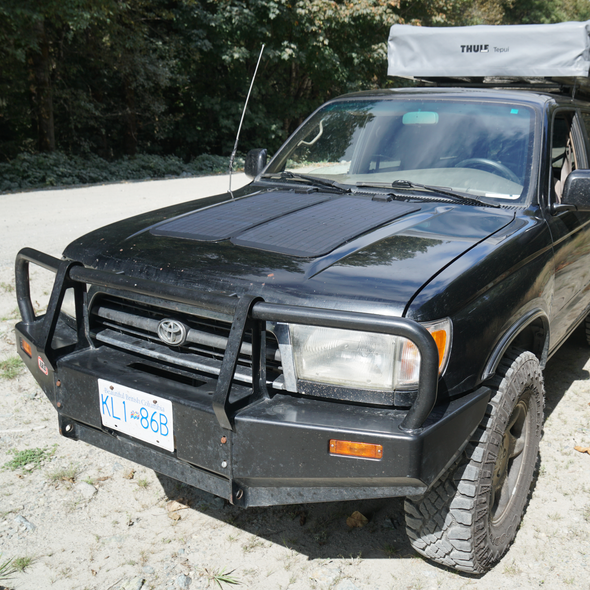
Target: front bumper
[{"x": 243, "y": 443}]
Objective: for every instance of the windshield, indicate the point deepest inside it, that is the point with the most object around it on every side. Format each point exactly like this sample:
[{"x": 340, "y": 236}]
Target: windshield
[{"x": 482, "y": 149}]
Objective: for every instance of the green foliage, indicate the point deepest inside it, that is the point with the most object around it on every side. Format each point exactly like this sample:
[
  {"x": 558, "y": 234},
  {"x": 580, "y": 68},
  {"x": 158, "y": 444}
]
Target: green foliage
[
  {"x": 219, "y": 577},
  {"x": 34, "y": 457},
  {"x": 102, "y": 79},
  {"x": 576, "y": 10},
  {"x": 7, "y": 287},
  {"x": 22, "y": 563},
  {"x": 157, "y": 76},
  {"x": 143, "y": 482},
  {"x": 10, "y": 368},
  {"x": 65, "y": 474},
  {"x": 7, "y": 568},
  {"x": 57, "y": 169},
  {"x": 534, "y": 11},
  {"x": 314, "y": 50},
  {"x": 514, "y": 12}
]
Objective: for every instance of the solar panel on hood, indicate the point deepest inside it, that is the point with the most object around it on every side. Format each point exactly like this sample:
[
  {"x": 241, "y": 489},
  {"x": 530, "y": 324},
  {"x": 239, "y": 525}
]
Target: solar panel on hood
[
  {"x": 233, "y": 217},
  {"x": 317, "y": 230}
]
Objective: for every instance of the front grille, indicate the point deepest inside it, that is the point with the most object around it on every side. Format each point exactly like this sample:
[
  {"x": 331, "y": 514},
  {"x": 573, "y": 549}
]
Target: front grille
[{"x": 133, "y": 326}]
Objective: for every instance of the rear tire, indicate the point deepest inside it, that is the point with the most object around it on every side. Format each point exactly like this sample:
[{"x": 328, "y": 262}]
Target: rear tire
[{"x": 469, "y": 518}]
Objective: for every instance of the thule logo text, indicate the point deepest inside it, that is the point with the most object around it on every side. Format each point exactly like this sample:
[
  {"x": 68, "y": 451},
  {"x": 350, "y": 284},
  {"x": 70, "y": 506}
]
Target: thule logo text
[{"x": 475, "y": 48}]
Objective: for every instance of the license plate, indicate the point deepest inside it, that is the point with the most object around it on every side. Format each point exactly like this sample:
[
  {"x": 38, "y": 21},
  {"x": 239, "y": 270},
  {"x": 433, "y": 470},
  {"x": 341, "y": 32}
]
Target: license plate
[{"x": 136, "y": 413}]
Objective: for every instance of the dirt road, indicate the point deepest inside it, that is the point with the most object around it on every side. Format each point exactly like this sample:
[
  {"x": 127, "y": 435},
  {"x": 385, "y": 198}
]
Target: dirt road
[{"x": 77, "y": 518}]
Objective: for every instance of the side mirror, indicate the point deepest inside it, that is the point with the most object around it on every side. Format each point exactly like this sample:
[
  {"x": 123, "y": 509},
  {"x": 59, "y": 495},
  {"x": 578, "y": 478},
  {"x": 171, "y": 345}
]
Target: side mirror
[
  {"x": 255, "y": 162},
  {"x": 576, "y": 192}
]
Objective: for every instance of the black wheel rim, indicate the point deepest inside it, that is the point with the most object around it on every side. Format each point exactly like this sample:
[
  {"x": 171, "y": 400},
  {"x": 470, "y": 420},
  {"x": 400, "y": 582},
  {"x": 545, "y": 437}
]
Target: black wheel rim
[{"x": 510, "y": 462}]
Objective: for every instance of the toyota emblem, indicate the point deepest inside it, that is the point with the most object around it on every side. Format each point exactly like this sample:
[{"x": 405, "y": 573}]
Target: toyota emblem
[{"x": 172, "y": 332}]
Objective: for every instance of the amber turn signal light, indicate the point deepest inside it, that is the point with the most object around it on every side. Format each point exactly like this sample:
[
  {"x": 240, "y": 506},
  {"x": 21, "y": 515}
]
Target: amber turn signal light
[
  {"x": 26, "y": 347},
  {"x": 356, "y": 449},
  {"x": 440, "y": 338}
]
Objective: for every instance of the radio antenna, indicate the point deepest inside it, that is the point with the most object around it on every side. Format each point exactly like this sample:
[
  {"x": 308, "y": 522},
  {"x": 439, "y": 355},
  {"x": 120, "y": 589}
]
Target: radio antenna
[{"x": 233, "y": 154}]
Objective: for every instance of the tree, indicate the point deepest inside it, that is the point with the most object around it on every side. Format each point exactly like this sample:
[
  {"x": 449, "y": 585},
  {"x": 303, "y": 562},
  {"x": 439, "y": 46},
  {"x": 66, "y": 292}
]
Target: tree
[
  {"x": 314, "y": 50},
  {"x": 577, "y": 10},
  {"x": 115, "y": 77},
  {"x": 112, "y": 79},
  {"x": 90, "y": 70},
  {"x": 32, "y": 33},
  {"x": 512, "y": 12}
]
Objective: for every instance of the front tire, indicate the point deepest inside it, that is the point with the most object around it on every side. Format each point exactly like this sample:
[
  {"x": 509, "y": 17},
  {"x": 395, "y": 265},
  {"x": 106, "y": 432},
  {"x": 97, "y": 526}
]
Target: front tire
[{"x": 469, "y": 518}]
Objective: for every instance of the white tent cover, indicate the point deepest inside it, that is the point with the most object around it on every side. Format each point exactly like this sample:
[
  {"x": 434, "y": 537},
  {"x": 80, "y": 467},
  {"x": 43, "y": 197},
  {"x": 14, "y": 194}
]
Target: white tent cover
[{"x": 557, "y": 50}]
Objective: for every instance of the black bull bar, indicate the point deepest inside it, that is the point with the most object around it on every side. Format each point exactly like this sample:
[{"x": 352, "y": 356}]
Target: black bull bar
[{"x": 431, "y": 440}]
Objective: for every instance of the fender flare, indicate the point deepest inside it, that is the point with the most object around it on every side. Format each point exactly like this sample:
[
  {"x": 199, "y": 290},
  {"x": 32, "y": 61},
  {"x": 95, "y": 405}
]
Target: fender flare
[{"x": 510, "y": 335}]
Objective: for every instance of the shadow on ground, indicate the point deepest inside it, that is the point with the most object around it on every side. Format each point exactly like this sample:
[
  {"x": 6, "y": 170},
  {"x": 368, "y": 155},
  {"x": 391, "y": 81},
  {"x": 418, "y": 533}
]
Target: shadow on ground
[
  {"x": 317, "y": 530},
  {"x": 565, "y": 367}
]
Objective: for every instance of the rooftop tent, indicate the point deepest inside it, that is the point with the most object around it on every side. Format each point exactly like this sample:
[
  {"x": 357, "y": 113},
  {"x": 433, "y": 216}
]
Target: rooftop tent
[{"x": 558, "y": 50}]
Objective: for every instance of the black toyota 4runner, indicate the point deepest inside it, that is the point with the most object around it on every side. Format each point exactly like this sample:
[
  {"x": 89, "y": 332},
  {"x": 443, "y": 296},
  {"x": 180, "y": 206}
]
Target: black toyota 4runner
[{"x": 368, "y": 318}]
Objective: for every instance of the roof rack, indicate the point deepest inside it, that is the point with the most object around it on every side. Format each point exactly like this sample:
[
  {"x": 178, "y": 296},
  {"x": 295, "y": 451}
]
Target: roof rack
[{"x": 560, "y": 85}]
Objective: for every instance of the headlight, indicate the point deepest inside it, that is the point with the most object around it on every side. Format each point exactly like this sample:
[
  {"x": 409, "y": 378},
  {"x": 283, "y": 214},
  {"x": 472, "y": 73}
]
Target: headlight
[
  {"x": 344, "y": 357},
  {"x": 363, "y": 360}
]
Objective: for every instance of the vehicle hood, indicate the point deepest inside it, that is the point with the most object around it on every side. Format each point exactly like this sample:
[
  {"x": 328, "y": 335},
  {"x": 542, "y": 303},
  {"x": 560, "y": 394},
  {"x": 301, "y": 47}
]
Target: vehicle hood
[{"x": 311, "y": 248}]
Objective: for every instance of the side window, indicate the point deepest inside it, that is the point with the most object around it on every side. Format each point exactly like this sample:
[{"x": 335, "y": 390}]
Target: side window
[{"x": 567, "y": 148}]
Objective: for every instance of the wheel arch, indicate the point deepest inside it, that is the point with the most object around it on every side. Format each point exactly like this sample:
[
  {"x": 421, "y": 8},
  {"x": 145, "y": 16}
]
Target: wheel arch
[{"x": 529, "y": 332}]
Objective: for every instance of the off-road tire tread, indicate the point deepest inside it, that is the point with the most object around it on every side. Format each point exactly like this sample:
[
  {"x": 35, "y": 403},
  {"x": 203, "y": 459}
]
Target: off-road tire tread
[
  {"x": 448, "y": 523},
  {"x": 587, "y": 328}
]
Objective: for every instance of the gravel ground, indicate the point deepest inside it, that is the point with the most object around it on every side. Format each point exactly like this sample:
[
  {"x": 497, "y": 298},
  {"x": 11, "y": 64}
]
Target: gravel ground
[{"x": 84, "y": 519}]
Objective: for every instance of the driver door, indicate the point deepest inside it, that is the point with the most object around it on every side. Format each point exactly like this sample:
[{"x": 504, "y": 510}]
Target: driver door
[{"x": 570, "y": 230}]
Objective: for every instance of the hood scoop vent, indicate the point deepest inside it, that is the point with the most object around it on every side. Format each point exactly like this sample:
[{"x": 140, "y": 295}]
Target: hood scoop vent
[{"x": 305, "y": 225}]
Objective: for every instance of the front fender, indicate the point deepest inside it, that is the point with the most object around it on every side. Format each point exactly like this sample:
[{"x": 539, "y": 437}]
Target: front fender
[{"x": 491, "y": 293}]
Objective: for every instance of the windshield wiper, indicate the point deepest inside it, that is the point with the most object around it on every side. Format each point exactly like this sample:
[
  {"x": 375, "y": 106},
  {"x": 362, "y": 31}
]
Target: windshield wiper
[
  {"x": 440, "y": 191},
  {"x": 408, "y": 185},
  {"x": 313, "y": 180}
]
